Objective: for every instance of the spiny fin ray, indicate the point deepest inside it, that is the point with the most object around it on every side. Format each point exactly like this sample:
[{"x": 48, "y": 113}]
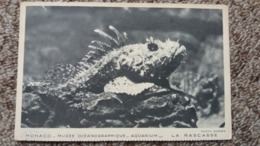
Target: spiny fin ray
[
  {"x": 120, "y": 37},
  {"x": 101, "y": 44},
  {"x": 107, "y": 36},
  {"x": 96, "y": 48}
]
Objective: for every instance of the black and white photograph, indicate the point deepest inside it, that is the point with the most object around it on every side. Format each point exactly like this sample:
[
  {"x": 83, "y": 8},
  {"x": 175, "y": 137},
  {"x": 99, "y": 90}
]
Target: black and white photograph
[{"x": 107, "y": 67}]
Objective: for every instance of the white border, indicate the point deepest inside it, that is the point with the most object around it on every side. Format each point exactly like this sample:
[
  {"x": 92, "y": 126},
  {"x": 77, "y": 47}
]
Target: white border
[{"x": 123, "y": 134}]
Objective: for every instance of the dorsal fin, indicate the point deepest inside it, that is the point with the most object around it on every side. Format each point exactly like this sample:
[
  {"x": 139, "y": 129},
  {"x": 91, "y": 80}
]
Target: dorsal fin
[
  {"x": 62, "y": 73},
  {"x": 110, "y": 42},
  {"x": 101, "y": 44},
  {"x": 121, "y": 38},
  {"x": 96, "y": 48},
  {"x": 107, "y": 36},
  {"x": 101, "y": 48}
]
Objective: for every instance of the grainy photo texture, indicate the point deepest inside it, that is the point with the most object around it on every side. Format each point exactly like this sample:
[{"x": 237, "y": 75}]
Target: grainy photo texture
[{"x": 98, "y": 67}]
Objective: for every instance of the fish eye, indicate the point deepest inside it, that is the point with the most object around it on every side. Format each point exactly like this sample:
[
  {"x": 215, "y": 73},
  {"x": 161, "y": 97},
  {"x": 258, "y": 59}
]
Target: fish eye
[{"x": 152, "y": 47}]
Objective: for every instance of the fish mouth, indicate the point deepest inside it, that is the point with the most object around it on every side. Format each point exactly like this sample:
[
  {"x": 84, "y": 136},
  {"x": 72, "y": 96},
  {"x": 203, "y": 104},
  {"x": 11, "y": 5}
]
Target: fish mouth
[
  {"x": 169, "y": 65},
  {"x": 176, "y": 58},
  {"x": 179, "y": 55},
  {"x": 181, "y": 51}
]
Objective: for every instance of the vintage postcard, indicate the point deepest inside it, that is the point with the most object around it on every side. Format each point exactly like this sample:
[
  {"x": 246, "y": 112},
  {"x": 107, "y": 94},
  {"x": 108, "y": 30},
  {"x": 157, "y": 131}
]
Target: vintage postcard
[{"x": 123, "y": 72}]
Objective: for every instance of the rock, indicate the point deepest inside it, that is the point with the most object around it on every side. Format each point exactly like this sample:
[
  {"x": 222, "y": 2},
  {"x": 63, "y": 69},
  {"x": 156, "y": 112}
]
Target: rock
[
  {"x": 150, "y": 109},
  {"x": 34, "y": 111},
  {"x": 154, "y": 107}
]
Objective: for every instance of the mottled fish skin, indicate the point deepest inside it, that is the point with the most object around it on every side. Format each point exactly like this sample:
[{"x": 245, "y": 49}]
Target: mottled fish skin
[{"x": 152, "y": 61}]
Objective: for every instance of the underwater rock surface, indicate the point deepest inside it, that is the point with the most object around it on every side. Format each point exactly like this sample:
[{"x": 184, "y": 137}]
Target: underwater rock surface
[{"x": 155, "y": 107}]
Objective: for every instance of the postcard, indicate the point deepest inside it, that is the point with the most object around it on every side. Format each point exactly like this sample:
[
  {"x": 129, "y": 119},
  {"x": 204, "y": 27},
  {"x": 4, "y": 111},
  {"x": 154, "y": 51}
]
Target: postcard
[{"x": 123, "y": 72}]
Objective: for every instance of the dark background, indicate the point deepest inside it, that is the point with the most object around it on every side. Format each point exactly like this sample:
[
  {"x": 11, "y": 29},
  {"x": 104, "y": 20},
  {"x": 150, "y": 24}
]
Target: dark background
[{"x": 62, "y": 34}]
